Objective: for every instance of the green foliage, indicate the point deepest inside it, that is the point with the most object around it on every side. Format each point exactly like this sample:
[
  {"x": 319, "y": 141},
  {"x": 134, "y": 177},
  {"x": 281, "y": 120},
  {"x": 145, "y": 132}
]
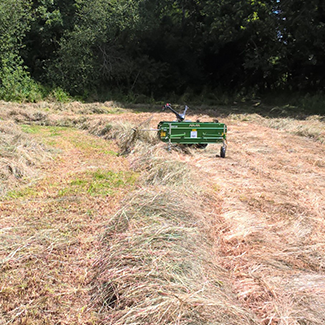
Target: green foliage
[
  {"x": 143, "y": 50},
  {"x": 51, "y": 19},
  {"x": 16, "y": 83},
  {"x": 295, "y": 104},
  {"x": 314, "y": 104},
  {"x": 59, "y": 95},
  {"x": 15, "y": 17},
  {"x": 303, "y": 32},
  {"x": 92, "y": 53}
]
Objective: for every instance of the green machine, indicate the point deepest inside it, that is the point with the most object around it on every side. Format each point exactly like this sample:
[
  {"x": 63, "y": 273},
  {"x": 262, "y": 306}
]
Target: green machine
[{"x": 198, "y": 134}]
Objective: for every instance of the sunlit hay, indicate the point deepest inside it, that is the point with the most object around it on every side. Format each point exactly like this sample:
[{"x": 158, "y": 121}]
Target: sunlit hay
[
  {"x": 312, "y": 127},
  {"x": 166, "y": 172},
  {"x": 127, "y": 138},
  {"x": 98, "y": 127},
  {"x": 140, "y": 138},
  {"x": 309, "y": 298},
  {"x": 274, "y": 230},
  {"x": 19, "y": 157},
  {"x": 74, "y": 114},
  {"x": 281, "y": 294},
  {"x": 157, "y": 166},
  {"x": 26, "y": 115},
  {"x": 156, "y": 267},
  {"x": 127, "y": 134},
  {"x": 246, "y": 117},
  {"x": 108, "y": 107}
]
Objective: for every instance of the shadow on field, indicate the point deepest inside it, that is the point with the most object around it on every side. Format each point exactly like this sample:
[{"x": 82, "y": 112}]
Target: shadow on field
[{"x": 224, "y": 111}]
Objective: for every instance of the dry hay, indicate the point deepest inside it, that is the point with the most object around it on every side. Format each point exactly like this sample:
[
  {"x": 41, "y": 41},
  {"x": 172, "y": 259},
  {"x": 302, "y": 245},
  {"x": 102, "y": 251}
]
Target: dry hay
[
  {"x": 139, "y": 139},
  {"x": 159, "y": 167},
  {"x": 156, "y": 267},
  {"x": 74, "y": 114},
  {"x": 168, "y": 259},
  {"x": 23, "y": 114},
  {"x": 271, "y": 235},
  {"x": 311, "y": 127},
  {"x": 20, "y": 157},
  {"x": 126, "y": 134},
  {"x": 157, "y": 264}
]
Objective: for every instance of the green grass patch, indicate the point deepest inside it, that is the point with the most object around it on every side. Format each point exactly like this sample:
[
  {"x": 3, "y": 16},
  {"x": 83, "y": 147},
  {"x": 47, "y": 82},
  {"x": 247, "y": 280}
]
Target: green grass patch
[
  {"x": 99, "y": 183},
  {"x": 92, "y": 144},
  {"x": 50, "y": 135},
  {"x": 27, "y": 192},
  {"x": 50, "y": 131},
  {"x": 116, "y": 110},
  {"x": 31, "y": 129},
  {"x": 78, "y": 141},
  {"x": 111, "y": 153}
]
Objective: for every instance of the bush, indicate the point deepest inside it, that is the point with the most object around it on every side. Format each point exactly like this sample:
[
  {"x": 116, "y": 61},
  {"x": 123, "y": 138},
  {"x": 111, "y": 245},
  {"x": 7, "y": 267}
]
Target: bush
[
  {"x": 59, "y": 95},
  {"x": 16, "y": 83}
]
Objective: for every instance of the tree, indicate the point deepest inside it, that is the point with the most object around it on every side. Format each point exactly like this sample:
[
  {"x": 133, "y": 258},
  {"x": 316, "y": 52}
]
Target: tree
[
  {"x": 154, "y": 47},
  {"x": 51, "y": 19},
  {"x": 15, "y": 82},
  {"x": 303, "y": 36},
  {"x": 243, "y": 45},
  {"x": 94, "y": 50}
]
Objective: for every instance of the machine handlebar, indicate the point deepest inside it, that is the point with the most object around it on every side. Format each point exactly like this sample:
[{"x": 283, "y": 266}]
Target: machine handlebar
[{"x": 180, "y": 117}]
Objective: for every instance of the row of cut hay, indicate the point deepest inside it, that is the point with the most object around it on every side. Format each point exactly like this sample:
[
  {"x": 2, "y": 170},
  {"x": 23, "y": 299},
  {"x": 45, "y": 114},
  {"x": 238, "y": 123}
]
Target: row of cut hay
[
  {"x": 20, "y": 157},
  {"x": 157, "y": 264},
  {"x": 73, "y": 114},
  {"x": 20, "y": 114},
  {"x": 273, "y": 237},
  {"x": 312, "y": 127},
  {"x": 126, "y": 134},
  {"x": 76, "y": 107},
  {"x": 130, "y": 137},
  {"x": 31, "y": 116}
]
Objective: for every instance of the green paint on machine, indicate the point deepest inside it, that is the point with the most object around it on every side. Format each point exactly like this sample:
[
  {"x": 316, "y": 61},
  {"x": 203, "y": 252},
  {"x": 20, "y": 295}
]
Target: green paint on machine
[{"x": 192, "y": 133}]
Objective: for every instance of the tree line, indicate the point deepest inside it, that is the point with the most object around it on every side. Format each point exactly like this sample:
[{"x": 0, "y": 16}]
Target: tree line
[{"x": 158, "y": 47}]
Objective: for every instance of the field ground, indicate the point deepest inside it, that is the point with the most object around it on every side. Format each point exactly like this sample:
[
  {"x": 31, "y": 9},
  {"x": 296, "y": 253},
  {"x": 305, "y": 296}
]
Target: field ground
[{"x": 90, "y": 236}]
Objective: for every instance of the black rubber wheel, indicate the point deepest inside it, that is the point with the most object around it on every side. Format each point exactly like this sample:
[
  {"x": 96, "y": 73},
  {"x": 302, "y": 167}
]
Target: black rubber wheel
[{"x": 223, "y": 152}]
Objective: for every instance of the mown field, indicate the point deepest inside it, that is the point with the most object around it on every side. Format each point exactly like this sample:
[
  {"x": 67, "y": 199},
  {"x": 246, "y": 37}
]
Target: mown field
[{"x": 101, "y": 225}]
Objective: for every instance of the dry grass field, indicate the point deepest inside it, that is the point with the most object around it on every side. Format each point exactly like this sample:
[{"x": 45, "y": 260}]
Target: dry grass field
[{"x": 101, "y": 225}]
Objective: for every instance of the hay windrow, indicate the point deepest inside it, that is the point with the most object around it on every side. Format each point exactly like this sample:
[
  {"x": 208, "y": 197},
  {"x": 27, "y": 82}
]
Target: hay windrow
[
  {"x": 20, "y": 157},
  {"x": 312, "y": 127},
  {"x": 156, "y": 266}
]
